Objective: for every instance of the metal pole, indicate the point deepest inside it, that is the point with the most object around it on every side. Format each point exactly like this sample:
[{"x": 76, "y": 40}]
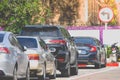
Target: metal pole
[{"x": 106, "y": 26}]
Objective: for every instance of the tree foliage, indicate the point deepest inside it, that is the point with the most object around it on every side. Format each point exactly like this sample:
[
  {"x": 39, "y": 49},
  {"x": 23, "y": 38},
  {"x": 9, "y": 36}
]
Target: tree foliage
[
  {"x": 14, "y": 14},
  {"x": 67, "y": 10}
]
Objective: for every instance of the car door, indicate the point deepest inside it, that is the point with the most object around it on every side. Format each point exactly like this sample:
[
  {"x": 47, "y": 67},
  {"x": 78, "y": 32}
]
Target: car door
[
  {"x": 49, "y": 57},
  {"x": 22, "y": 59},
  {"x": 101, "y": 54}
]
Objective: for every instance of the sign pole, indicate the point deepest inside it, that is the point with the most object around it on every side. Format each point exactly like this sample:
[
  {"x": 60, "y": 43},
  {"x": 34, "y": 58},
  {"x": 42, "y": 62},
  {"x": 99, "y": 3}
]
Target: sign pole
[{"x": 106, "y": 26}]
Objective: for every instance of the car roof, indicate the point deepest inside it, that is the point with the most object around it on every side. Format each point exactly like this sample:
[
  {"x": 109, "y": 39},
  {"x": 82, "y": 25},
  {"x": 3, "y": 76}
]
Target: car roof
[
  {"x": 5, "y": 32},
  {"x": 27, "y": 37},
  {"x": 84, "y": 37},
  {"x": 42, "y": 26},
  {"x": 35, "y": 37}
]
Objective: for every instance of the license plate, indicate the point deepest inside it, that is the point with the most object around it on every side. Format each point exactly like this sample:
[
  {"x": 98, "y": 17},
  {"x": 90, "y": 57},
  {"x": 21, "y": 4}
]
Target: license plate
[
  {"x": 81, "y": 52},
  {"x": 114, "y": 51}
]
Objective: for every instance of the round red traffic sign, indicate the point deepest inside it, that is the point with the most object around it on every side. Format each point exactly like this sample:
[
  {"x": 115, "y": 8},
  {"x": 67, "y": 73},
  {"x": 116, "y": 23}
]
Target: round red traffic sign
[{"x": 105, "y": 14}]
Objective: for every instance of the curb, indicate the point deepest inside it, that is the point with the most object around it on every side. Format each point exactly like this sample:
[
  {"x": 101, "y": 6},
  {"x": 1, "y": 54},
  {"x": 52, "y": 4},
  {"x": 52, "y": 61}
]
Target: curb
[{"x": 112, "y": 64}]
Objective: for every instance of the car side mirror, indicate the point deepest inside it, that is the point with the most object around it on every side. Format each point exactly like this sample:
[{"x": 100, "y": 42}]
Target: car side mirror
[{"x": 24, "y": 48}]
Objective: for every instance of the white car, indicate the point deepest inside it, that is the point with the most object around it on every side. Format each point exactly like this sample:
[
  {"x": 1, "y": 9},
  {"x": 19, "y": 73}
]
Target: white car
[
  {"x": 14, "y": 63},
  {"x": 42, "y": 61}
]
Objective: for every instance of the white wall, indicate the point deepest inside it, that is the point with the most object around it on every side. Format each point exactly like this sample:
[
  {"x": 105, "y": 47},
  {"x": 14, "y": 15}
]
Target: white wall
[
  {"x": 109, "y": 36},
  {"x": 91, "y": 33}
]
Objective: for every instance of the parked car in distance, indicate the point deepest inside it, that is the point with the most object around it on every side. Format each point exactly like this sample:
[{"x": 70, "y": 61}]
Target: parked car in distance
[
  {"x": 59, "y": 41},
  {"x": 14, "y": 63},
  {"x": 90, "y": 51},
  {"x": 42, "y": 62}
]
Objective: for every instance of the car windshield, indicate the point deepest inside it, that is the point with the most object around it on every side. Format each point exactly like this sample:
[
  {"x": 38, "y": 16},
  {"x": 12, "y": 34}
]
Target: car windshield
[
  {"x": 84, "y": 41},
  {"x": 28, "y": 42},
  {"x": 42, "y": 32},
  {"x": 1, "y": 37}
]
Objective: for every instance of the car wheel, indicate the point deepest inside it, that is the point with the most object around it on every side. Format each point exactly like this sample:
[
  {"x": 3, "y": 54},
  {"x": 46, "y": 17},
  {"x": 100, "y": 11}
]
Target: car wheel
[
  {"x": 74, "y": 70},
  {"x": 66, "y": 72},
  {"x": 43, "y": 76},
  {"x": 15, "y": 74},
  {"x": 97, "y": 65}
]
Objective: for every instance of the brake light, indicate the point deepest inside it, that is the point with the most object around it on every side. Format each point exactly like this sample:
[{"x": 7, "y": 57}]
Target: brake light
[
  {"x": 61, "y": 59},
  {"x": 33, "y": 56},
  {"x": 58, "y": 41},
  {"x": 113, "y": 49},
  {"x": 93, "y": 49},
  {"x": 4, "y": 50}
]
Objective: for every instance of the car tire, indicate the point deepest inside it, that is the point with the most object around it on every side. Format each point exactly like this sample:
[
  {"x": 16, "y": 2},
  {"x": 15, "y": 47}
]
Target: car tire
[
  {"x": 43, "y": 76},
  {"x": 97, "y": 65},
  {"x": 66, "y": 72},
  {"x": 53, "y": 76},
  {"x": 74, "y": 70}
]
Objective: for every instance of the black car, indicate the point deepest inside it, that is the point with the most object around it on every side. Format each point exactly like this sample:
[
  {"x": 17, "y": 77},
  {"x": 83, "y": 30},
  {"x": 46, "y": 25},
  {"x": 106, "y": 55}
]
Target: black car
[
  {"x": 90, "y": 51},
  {"x": 61, "y": 44}
]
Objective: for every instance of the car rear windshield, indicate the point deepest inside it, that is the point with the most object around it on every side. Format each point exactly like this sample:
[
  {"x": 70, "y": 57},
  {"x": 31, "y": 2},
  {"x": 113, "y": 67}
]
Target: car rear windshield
[
  {"x": 28, "y": 42},
  {"x": 42, "y": 32},
  {"x": 1, "y": 37},
  {"x": 84, "y": 41}
]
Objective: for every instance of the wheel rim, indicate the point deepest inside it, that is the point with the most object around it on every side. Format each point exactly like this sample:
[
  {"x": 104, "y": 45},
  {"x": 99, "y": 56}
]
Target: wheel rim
[{"x": 44, "y": 73}]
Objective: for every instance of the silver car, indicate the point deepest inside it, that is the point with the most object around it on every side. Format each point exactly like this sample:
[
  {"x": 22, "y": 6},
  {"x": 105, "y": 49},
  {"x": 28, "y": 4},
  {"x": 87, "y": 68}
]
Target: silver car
[
  {"x": 14, "y": 63},
  {"x": 42, "y": 61}
]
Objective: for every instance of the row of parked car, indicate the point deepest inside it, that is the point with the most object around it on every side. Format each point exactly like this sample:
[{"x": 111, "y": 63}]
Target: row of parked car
[{"x": 40, "y": 50}]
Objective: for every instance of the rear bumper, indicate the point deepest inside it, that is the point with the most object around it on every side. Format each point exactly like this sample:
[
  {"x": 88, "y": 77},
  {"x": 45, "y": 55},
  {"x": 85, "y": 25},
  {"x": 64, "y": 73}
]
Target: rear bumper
[
  {"x": 89, "y": 59},
  {"x": 35, "y": 65}
]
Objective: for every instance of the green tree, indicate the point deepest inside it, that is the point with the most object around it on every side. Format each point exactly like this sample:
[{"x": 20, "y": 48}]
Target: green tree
[{"x": 14, "y": 14}]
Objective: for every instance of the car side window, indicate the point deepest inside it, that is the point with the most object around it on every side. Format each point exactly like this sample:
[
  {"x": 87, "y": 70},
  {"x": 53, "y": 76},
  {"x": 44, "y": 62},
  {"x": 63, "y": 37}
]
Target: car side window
[
  {"x": 14, "y": 41},
  {"x": 43, "y": 44},
  {"x": 65, "y": 33}
]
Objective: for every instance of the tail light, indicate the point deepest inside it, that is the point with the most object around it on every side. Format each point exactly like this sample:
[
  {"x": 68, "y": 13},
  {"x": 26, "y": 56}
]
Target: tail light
[
  {"x": 33, "y": 56},
  {"x": 113, "y": 49},
  {"x": 4, "y": 50},
  {"x": 93, "y": 49},
  {"x": 58, "y": 41},
  {"x": 61, "y": 59}
]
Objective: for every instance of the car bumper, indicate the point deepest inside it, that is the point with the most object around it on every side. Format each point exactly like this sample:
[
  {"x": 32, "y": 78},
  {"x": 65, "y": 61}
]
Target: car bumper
[
  {"x": 89, "y": 59},
  {"x": 35, "y": 64}
]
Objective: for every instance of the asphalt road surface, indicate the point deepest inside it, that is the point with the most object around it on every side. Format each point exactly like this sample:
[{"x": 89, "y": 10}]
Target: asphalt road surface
[{"x": 108, "y": 73}]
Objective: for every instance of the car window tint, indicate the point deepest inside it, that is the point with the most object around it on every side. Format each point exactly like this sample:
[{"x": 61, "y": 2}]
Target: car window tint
[
  {"x": 1, "y": 37},
  {"x": 49, "y": 32},
  {"x": 30, "y": 33},
  {"x": 28, "y": 42},
  {"x": 43, "y": 32},
  {"x": 84, "y": 41},
  {"x": 43, "y": 44}
]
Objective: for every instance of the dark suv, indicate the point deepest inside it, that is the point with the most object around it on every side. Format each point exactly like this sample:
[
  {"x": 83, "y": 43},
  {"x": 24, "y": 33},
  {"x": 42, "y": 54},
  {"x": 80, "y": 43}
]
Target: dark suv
[{"x": 61, "y": 44}]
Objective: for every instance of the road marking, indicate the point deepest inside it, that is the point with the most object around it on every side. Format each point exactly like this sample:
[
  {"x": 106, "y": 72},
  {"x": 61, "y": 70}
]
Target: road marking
[{"x": 78, "y": 77}]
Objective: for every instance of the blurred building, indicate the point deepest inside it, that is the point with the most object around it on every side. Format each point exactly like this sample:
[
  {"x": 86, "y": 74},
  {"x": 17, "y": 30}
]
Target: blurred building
[
  {"x": 88, "y": 12},
  {"x": 74, "y": 12}
]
